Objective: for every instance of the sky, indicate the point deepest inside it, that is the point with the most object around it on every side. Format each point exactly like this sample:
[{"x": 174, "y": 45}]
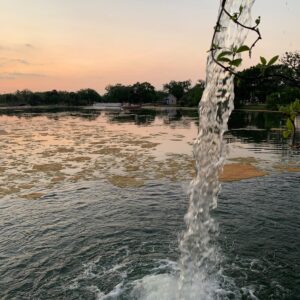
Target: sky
[{"x": 75, "y": 44}]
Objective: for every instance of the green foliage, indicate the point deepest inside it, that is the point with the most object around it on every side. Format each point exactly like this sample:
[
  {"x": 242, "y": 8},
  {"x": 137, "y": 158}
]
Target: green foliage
[
  {"x": 161, "y": 96},
  {"x": 193, "y": 96},
  {"x": 236, "y": 62},
  {"x": 230, "y": 59},
  {"x": 283, "y": 97},
  {"x": 146, "y": 93},
  {"x": 143, "y": 93},
  {"x": 265, "y": 64},
  {"x": 288, "y": 132},
  {"x": 117, "y": 93},
  {"x": 136, "y": 93},
  {"x": 263, "y": 61},
  {"x": 247, "y": 90},
  {"x": 257, "y": 21},
  {"x": 229, "y": 56},
  {"x": 291, "y": 111},
  {"x": 292, "y": 61},
  {"x": 243, "y": 49},
  {"x": 88, "y": 95},
  {"x": 223, "y": 54},
  {"x": 177, "y": 88},
  {"x": 26, "y": 97},
  {"x": 273, "y": 60}
]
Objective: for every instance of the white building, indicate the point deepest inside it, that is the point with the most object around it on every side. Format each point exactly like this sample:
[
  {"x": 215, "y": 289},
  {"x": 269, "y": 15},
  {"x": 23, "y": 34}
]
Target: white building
[
  {"x": 170, "y": 100},
  {"x": 105, "y": 105}
]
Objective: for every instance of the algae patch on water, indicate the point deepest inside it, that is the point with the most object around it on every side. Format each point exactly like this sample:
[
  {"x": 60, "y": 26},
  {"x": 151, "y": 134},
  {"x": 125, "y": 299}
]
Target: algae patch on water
[
  {"x": 239, "y": 171},
  {"x": 42, "y": 154},
  {"x": 32, "y": 196},
  {"x": 125, "y": 181},
  {"x": 54, "y": 167},
  {"x": 287, "y": 168}
]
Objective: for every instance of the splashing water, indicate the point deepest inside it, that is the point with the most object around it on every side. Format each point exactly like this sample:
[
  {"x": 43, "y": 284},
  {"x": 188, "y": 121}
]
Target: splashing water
[
  {"x": 200, "y": 260},
  {"x": 199, "y": 274}
]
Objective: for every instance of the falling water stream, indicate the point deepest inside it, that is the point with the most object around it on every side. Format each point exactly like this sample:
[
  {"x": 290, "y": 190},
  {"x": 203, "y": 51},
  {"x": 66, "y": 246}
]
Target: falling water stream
[
  {"x": 200, "y": 262},
  {"x": 200, "y": 275}
]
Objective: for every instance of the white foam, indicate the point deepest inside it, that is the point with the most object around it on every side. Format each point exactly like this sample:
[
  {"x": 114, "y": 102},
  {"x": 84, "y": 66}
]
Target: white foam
[
  {"x": 163, "y": 287},
  {"x": 117, "y": 291},
  {"x": 166, "y": 287},
  {"x": 96, "y": 291}
]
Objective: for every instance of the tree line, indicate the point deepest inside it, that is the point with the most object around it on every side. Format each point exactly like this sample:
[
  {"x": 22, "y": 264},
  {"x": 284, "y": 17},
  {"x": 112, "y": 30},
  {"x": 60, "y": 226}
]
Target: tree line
[
  {"x": 138, "y": 93},
  {"x": 274, "y": 92},
  {"x": 54, "y": 97},
  {"x": 282, "y": 88}
]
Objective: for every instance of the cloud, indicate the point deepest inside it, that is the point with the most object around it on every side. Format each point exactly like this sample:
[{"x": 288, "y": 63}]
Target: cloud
[
  {"x": 20, "y": 61},
  {"x": 16, "y": 75},
  {"x": 17, "y": 47},
  {"x": 4, "y": 48},
  {"x": 8, "y": 61},
  {"x": 29, "y": 45},
  {"x": 6, "y": 76},
  {"x": 20, "y": 74}
]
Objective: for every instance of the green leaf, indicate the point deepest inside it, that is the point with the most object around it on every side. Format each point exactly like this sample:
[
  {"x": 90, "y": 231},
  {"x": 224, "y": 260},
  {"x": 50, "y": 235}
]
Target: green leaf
[
  {"x": 217, "y": 28},
  {"x": 243, "y": 49},
  {"x": 257, "y": 21},
  {"x": 236, "y": 62},
  {"x": 289, "y": 125},
  {"x": 273, "y": 60},
  {"x": 286, "y": 134},
  {"x": 216, "y": 47},
  {"x": 224, "y": 59},
  {"x": 224, "y": 53},
  {"x": 241, "y": 9},
  {"x": 234, "y": 17},
  {"x": 234, "y": 49},
  {"x": 263, "y": 61}
]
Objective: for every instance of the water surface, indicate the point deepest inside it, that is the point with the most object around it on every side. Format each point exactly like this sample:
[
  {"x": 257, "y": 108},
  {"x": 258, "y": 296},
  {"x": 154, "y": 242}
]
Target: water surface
[{"x": 92, "y": 205}]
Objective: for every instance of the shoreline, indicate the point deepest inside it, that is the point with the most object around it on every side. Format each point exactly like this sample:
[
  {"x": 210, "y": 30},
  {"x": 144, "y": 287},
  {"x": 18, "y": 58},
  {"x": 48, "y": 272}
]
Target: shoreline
[{"x": 153, "y": 107}]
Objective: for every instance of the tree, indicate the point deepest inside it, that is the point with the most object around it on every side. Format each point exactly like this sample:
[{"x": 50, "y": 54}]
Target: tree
[
  {"x": 247, "y": 90},
  {"x": 118, "y": 93},
  {"x": 193, "y": 96},
  {"x": 230, "y": 58},
  {"x": 283, "y": 97},
  {"x": 292, "y": 61},
  {"x": 177, "y": 88},
  {"x": 88, "y": 96},
  {"x": 54, "y": 97},
  {"x": 160, "y": 96},
  {"x": 143, "y": 92}
]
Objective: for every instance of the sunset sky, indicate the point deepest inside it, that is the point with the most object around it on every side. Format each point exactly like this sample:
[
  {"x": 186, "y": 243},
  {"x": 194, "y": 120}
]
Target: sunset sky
[{"x": 74, "y": 44}]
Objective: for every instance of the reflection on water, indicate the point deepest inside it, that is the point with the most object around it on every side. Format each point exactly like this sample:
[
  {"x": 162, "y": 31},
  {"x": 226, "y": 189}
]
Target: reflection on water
[
  {"x": 40, "y": 149},
  {"x": 111, "y": 198}
]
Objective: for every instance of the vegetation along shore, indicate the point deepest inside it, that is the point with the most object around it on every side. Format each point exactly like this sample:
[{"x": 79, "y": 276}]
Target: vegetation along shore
[{"x": 267, "y": 94}]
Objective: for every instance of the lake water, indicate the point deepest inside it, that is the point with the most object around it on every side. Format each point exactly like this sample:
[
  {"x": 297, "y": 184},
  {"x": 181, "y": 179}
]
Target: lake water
[{"x": 92, "y": 204}]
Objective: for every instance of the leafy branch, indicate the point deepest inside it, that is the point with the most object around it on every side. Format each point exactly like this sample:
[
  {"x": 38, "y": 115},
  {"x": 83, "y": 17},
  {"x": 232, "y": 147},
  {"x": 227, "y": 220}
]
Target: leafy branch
[{"x": 227, "y": 58}]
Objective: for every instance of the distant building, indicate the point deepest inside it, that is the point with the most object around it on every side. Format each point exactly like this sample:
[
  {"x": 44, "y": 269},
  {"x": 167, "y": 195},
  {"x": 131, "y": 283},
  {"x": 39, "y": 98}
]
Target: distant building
[
  {"x": 106, "y": 105},
  {"x": 170, "y": 100}
]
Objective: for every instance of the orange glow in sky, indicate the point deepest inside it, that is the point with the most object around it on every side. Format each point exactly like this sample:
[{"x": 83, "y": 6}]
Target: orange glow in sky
[{"x": 69, "y": 45}]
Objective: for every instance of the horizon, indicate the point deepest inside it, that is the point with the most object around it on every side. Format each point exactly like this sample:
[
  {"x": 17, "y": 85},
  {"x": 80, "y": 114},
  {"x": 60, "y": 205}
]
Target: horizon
[{"x": 92, "y": 44}]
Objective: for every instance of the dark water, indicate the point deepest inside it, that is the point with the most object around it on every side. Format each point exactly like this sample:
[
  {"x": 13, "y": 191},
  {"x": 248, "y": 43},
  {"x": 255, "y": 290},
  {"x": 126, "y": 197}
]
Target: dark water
[{"x": 90, "y": 239}]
